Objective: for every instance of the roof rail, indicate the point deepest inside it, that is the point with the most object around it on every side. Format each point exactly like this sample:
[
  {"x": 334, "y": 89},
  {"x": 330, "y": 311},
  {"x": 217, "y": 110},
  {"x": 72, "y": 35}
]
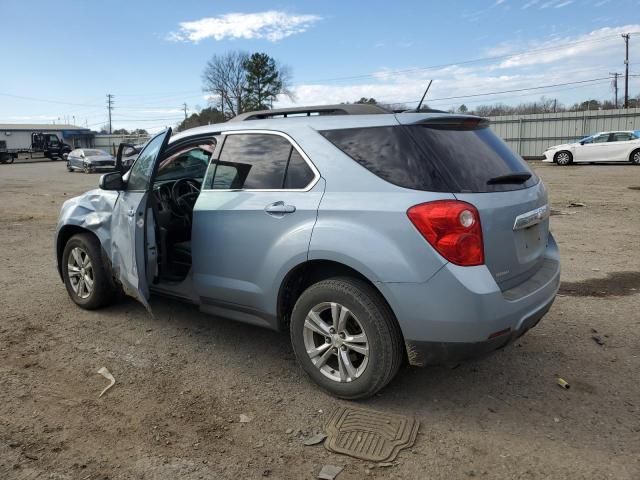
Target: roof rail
[{"x": 343, "y": 109}]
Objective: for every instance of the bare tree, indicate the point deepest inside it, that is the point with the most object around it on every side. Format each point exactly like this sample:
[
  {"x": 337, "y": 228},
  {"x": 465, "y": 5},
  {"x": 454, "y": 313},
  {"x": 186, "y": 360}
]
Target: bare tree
[{"x": 225, "y": 79}]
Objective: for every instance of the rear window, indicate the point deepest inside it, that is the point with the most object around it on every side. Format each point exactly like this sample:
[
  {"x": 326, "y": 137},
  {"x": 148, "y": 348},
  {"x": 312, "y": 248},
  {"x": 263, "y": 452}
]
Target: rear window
[{"x": 446, "y": 157}]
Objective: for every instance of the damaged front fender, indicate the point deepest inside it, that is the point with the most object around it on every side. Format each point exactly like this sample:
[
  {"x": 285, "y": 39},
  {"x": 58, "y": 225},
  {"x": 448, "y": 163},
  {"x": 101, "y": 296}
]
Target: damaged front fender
[{"x": 91, "y": 211}]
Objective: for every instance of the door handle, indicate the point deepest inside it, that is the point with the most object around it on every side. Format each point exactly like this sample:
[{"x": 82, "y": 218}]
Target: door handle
[
  {"x": 131, "y": 212},
  {"x": 279, "y": 208}
]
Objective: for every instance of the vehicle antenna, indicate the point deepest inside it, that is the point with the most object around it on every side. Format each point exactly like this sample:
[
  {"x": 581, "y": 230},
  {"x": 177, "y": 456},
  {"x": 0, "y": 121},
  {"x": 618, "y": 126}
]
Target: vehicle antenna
[{"x": 424, "y": 95}]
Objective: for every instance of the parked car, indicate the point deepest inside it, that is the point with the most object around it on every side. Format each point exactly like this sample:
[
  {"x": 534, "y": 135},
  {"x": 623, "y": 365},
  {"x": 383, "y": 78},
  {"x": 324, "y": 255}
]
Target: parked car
[
  {"x": 374, "y": 238},
  {"x": 90, "y": 160},
  {"x": 618, "y": 146},
  {"x": 130, "y": 154}
]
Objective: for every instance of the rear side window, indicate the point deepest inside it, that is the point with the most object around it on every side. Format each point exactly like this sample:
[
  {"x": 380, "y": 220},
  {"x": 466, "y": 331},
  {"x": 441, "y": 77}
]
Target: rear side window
[
  {"x": 258, "y": 161},
  {"x": 299, "y": 174},
  {"x": 435, "y": 157},
  {"x": 391, "y": 154}
]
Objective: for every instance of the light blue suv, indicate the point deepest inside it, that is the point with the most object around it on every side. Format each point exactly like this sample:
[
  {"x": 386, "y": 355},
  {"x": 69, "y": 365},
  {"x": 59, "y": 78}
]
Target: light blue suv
[{"x": 374, "y": 237}]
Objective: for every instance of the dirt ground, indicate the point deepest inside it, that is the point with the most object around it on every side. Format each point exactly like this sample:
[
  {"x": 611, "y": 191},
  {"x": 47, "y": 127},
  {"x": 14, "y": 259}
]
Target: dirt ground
[{"x": 184, "y": 378}]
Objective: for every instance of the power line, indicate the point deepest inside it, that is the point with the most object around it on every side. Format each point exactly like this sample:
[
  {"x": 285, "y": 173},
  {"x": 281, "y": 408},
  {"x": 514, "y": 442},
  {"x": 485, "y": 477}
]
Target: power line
[
  {"x": 458, "y": 97},
  {"x": 466, "y": 62},
  {"x": 46, "y": 100}
]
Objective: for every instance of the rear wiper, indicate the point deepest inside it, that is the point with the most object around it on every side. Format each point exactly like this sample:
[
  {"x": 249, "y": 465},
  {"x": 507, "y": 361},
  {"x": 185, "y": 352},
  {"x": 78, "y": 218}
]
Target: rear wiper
[{"x": 510, "y": 178}]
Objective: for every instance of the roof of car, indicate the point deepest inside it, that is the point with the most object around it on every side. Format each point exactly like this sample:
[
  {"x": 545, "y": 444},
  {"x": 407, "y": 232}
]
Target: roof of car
[
  {"x": 323, "y": 121},
  {"x": 313, "y": 110}
]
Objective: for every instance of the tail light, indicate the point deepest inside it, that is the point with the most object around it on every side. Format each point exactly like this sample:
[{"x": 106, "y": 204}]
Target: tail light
[{"x": 451, "y": 227}]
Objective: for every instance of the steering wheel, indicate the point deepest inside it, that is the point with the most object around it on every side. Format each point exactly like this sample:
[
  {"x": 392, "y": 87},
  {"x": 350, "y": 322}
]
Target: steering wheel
[{"x": 184, "y": 194}]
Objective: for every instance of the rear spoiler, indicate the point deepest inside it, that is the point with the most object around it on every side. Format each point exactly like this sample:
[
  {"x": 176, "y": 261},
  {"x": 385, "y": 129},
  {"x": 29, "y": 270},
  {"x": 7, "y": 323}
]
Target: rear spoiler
[{"x": 444, "y": 122}]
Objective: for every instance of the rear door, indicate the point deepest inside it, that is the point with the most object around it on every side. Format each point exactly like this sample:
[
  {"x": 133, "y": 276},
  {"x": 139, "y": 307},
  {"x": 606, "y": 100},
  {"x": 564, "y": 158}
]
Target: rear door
[
  {"x": 253, "y": 222},
  {"x": 619, "y": 143},
  {"x": 133, "y": 247},
  {"x": 593, "y": 150}
]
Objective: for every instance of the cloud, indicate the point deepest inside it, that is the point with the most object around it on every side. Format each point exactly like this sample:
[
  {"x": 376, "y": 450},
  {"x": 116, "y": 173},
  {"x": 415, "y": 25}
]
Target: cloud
[
  {"x": 551, "y": 61},
  {"x": 272, "y": 25}
]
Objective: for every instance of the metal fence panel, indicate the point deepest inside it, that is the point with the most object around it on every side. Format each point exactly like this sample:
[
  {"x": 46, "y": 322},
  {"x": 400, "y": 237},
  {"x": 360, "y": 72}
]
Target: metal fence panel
[{"x": 530, "y": 135}]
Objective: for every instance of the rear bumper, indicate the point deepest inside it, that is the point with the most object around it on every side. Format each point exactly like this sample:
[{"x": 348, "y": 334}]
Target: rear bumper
[
  {"x": 457, "y": 313},
  {"x": 422, "y": 353}
]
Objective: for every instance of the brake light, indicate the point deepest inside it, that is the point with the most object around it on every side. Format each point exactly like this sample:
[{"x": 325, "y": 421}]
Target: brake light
[{"x": 451, "y": 227}]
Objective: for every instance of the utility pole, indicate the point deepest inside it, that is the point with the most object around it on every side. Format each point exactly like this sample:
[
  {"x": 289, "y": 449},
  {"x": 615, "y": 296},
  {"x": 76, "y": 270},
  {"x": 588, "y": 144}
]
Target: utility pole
[
  {"x": 109, "y": 108},
  {"x": 626, "y": 36},
  {"x": 615, "y": 85},
  {"x": 184, "y": 106}
]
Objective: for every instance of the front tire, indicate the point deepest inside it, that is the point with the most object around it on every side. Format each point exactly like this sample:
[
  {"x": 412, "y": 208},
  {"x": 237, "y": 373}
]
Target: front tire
[
  {"x": 346, "y": 338},
  {"x": 563, "y": 158},
  {"x": 635, "y": 157},
  {"x": 88, "y": 281}
]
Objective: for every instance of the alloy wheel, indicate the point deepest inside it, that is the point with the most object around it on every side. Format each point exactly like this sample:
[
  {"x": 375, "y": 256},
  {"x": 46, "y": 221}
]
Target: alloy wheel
[
  {"x": 636, "y": 158},
  {"x": 80, "y": 272},
  {"x": 335, "y": 341},
  {"x": 563, "y": 158}
]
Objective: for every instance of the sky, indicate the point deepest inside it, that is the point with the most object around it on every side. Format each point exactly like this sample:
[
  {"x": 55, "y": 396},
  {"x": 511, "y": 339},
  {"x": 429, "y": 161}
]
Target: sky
[{"x": 60, "y": 59}]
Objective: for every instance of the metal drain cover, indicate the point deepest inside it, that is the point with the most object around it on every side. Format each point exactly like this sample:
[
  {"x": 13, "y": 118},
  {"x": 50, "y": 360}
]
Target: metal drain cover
[{"x": 369, "y": 435}]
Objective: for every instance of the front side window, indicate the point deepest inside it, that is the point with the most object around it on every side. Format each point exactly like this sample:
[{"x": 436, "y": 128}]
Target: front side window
[
  {"x": 601, "y": 138},
  {"x": 142, "y": 169},
  {"x": 259, "y": 161}
]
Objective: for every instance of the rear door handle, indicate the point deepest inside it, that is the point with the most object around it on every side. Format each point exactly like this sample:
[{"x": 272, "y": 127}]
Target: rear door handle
[{"x": 279, "y": 208}]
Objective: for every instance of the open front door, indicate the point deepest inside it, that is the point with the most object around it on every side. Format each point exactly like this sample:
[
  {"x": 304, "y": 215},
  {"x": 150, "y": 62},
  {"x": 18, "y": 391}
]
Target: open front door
[{"x": 133, "y": 245}]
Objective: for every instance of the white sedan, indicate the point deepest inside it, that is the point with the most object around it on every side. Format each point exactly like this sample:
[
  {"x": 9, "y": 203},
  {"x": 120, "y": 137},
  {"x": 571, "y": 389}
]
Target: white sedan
[{"x": 619, "y": 146}]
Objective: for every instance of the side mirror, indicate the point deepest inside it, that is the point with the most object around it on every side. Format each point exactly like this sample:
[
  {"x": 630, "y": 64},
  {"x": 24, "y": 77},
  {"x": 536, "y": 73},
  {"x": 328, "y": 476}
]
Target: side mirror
[
  {"x": 111, "y": 181},
  {"x": 581, "y": 143}
]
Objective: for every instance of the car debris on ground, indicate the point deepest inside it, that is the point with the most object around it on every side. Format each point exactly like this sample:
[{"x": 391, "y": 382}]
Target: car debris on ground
[
  {"x": 106, "y": 374},
  {"x": 329, "y": 472}
]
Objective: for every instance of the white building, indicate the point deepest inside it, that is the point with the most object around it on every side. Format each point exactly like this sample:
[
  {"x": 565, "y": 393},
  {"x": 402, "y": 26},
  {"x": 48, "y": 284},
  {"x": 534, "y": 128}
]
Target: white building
[{"x": 18, "y": 136}]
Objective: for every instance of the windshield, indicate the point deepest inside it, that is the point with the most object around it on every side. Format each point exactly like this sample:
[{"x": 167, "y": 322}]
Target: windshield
[{"x": 94, "y": 153}]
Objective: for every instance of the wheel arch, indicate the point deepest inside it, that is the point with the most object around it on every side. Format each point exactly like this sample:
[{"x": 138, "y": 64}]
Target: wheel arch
[
  {"x": 307, "y": 273},
  {"x": 630, "y": 157}
]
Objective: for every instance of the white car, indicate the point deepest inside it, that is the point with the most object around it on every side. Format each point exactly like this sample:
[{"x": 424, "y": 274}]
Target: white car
[{"x": 619, "y": 146}]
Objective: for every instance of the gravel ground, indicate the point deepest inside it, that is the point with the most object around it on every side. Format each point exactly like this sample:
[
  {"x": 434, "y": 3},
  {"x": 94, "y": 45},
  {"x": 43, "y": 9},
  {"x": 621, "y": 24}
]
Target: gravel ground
[{"x": 184, "y": 379}]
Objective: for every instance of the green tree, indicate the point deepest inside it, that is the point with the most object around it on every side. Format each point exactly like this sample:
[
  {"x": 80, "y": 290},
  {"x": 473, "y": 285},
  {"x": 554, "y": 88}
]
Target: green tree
[
  {"x": 206, "y": 116},
  {"x": 365, "y": 100},
  {"x": 463, "y": 108},
  {"x": 265, "y": 80}
]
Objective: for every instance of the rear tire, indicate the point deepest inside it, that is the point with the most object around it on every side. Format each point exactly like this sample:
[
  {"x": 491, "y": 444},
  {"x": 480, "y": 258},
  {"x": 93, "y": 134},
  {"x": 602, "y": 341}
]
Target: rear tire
[
  {"x": 635, "y": 157},
  {"x": 344, "y": 369},
  {"x": 563, "y": 158},
  {"x": 88, "y": 281}
]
